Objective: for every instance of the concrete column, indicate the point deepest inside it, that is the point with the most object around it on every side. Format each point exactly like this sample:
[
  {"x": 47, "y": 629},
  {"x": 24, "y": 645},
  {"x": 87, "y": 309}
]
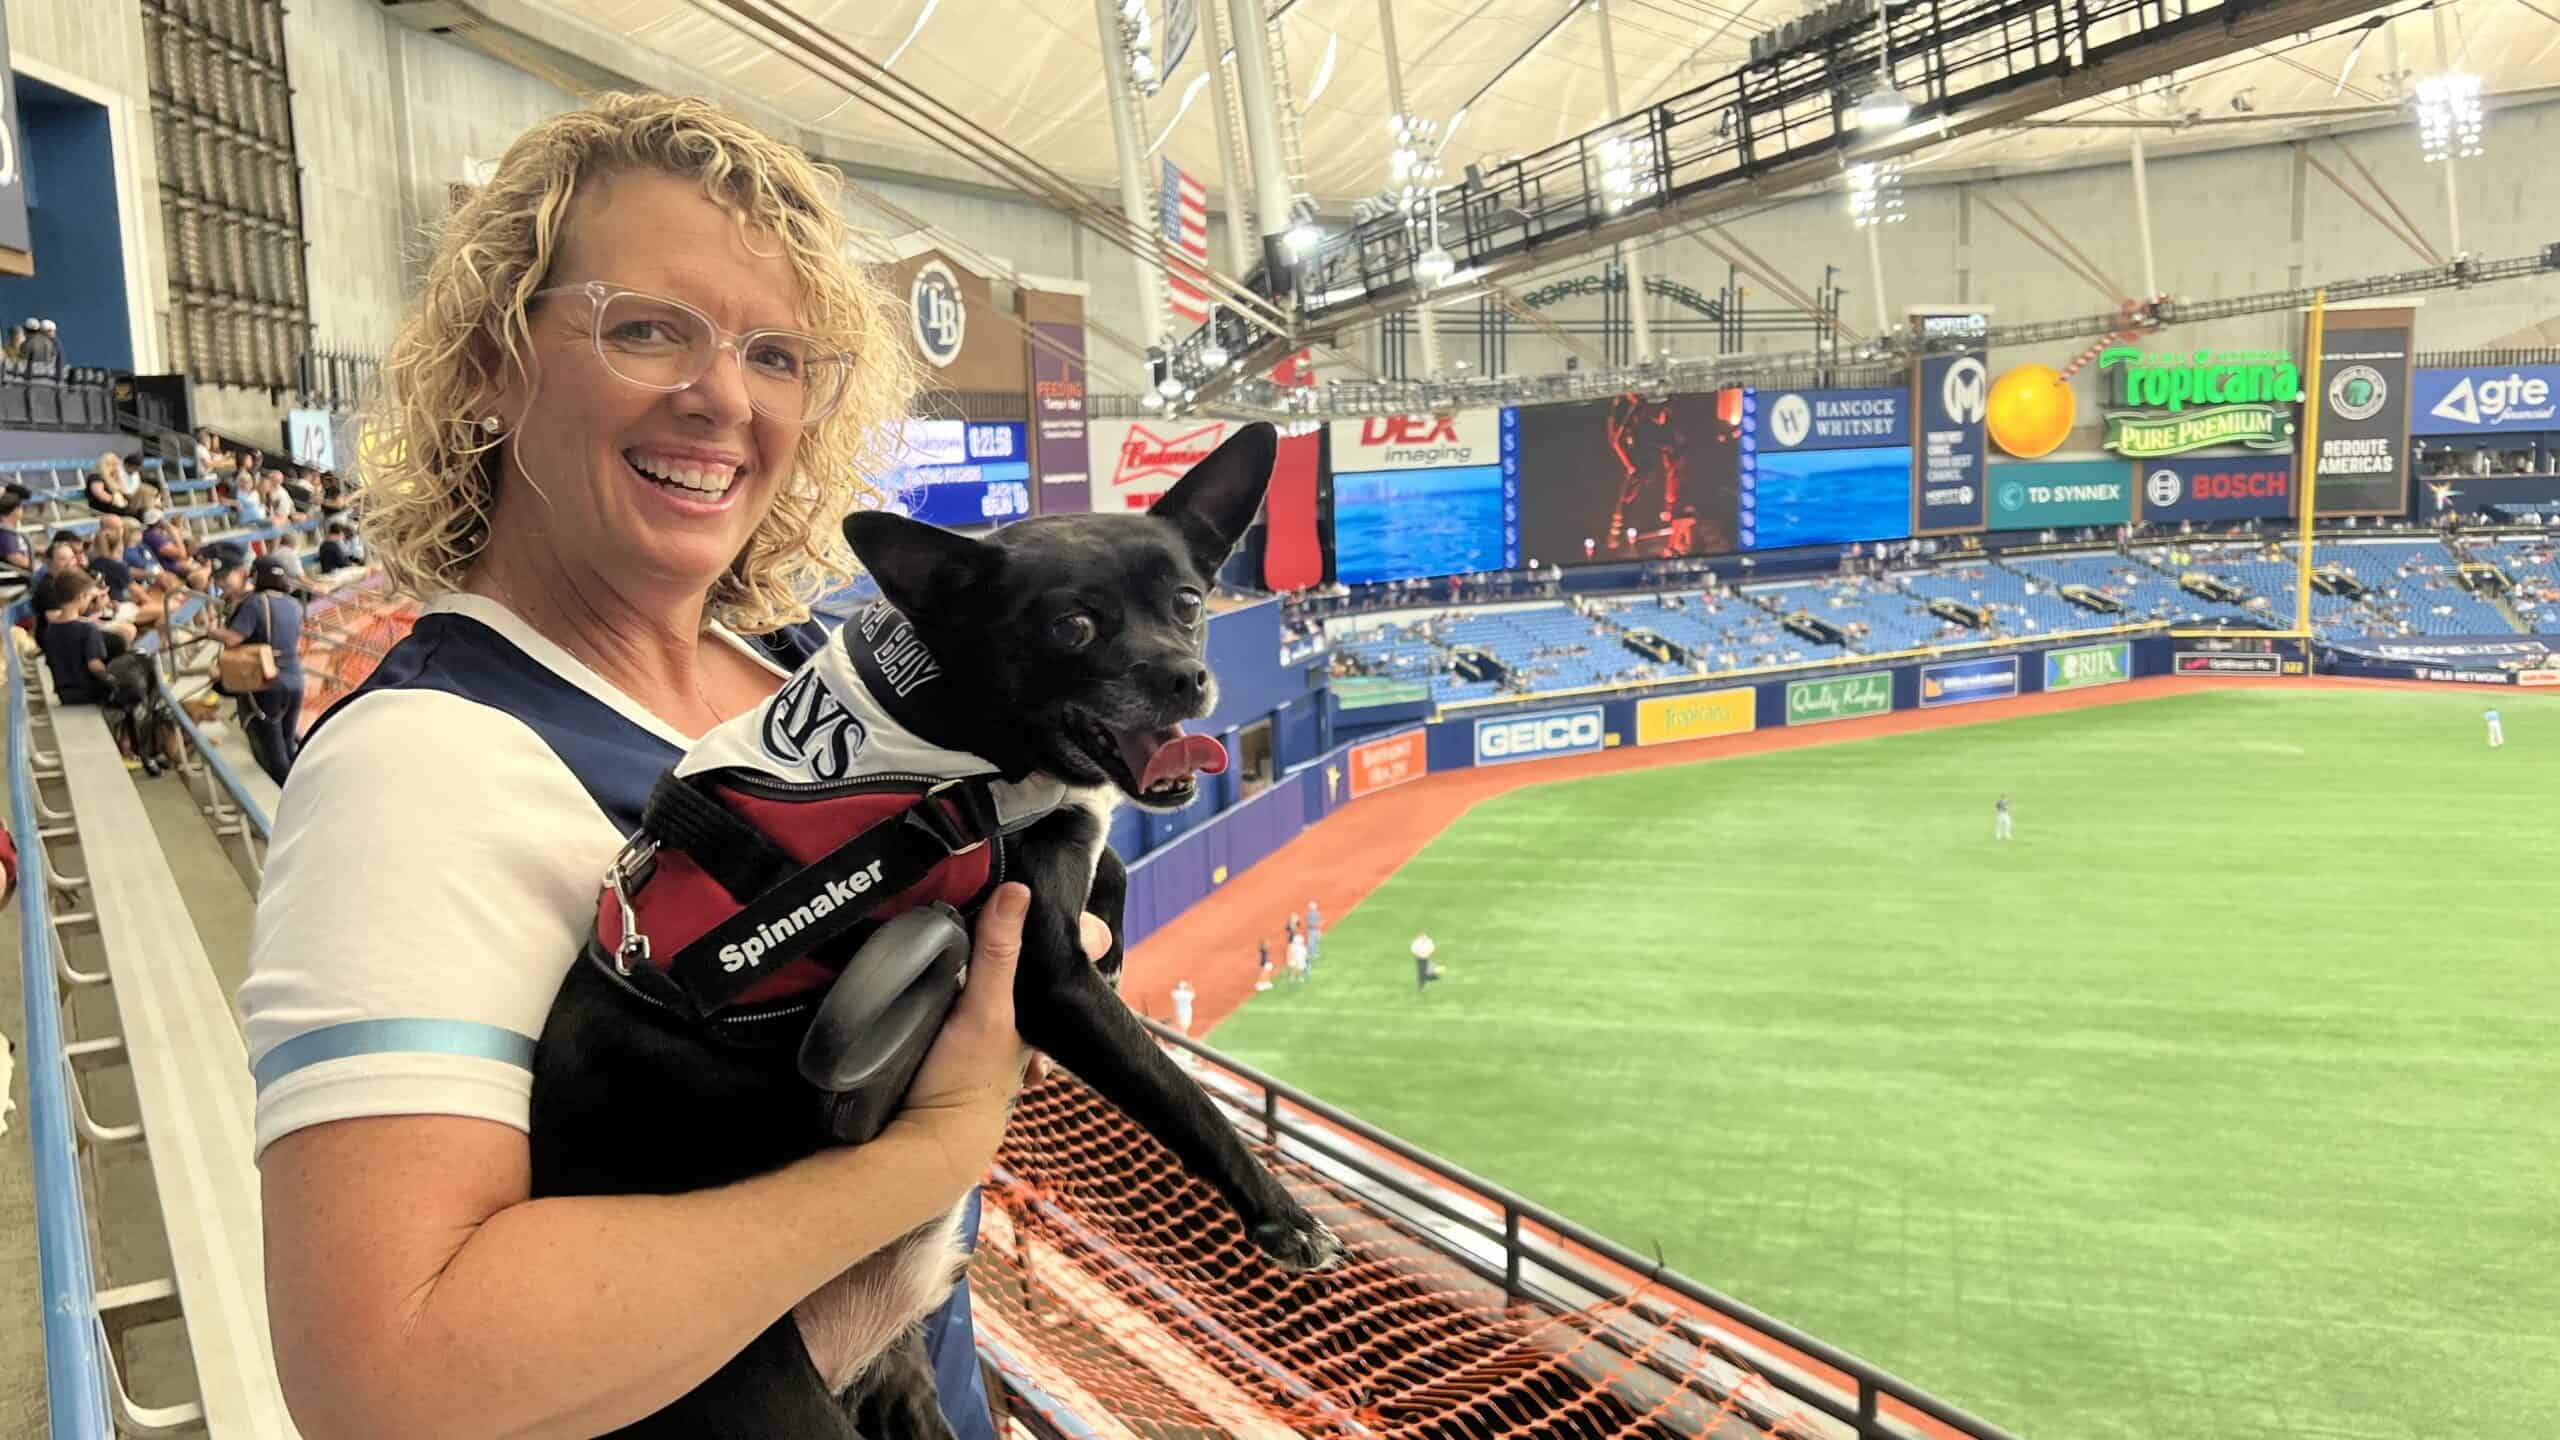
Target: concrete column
[
  {"x": 1964, "y": 243},
  {"x": 2301, "y": 191},
  {"x": 2142, "y": 221},
  {"x": 1133, "y": 189},
  {"x": 1262, "y": 132}
]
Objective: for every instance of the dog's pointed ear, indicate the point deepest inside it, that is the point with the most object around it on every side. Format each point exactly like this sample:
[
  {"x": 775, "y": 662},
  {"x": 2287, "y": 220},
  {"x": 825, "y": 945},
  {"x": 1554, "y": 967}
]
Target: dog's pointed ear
[
  {"x": 1215, "y": 503},
  {"x": 919, "y": 567}
]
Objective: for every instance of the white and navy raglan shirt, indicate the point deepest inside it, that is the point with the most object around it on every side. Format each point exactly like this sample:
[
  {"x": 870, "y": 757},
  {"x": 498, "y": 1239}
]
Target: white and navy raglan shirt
[{"x": 434, "y": 872}]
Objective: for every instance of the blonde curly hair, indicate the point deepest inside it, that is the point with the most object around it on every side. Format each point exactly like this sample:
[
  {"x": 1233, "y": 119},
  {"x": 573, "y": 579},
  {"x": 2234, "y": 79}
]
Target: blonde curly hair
[{"x": 430, "y": 473}]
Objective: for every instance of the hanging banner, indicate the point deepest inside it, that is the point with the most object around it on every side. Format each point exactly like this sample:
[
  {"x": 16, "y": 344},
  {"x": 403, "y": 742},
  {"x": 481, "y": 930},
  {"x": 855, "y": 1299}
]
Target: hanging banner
[
  {"x": 2362, "y": 388},
  {"x": 1134, "y": 461},
  {"x": 13, "y": 165},
  {"x": 1057, "y": 414},
  {"x": 1951, "y": 395}
]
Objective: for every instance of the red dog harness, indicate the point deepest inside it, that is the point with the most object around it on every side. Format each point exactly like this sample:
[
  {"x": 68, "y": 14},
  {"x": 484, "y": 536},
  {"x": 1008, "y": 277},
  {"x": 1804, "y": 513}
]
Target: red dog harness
[{"x": 788, "y": 835}]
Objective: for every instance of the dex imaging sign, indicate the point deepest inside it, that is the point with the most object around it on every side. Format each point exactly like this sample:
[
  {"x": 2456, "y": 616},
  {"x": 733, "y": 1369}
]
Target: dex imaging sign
[
  {"x": 1417, "y": 442},
  {"x": 1537, "y": 737}
]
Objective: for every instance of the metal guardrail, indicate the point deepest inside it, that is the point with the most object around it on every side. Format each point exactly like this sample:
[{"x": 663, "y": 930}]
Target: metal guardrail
[
  {"x": 1524, "y": 1255},
  {"x": 225, "y": 801},
  {"x": 75, "y": 1351}
]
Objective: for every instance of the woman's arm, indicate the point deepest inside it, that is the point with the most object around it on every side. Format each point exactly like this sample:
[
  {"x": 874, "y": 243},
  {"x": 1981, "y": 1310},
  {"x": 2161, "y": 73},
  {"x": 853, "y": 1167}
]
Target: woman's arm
[{"x": 414, "y": 1290}]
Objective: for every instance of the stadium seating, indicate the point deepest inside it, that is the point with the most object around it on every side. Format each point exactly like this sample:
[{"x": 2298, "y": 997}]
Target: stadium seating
[{"x": 2019, "y": 605}]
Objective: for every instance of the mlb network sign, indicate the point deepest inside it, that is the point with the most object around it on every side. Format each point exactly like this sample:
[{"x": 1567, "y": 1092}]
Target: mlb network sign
[
  {"x": 1417, "y": 442},
  {"x": 1537, "y": 737},
  {"x": 2476, "y": 402}
]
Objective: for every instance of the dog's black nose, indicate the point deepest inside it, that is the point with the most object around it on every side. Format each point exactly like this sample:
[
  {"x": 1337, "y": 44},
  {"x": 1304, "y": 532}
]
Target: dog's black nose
[{"x": 1190, "y": 680}]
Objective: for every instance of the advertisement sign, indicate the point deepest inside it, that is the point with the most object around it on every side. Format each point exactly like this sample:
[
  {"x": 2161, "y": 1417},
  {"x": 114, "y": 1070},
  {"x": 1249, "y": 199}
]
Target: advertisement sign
[
  {"x": 1389, "y": 761},
  {"x": 936, "y": 315},
  {"x": 2484, "y": 400},
  {"x": 1697, "y": 717},
  {"x": 2170, "y": 404},
  {"x": 1632, "y": 477},
  {"x": 1951, "y": 394},
  {"x": 959, "y": 503},
  {"x": 1961, "y": 682},
  {"x": 1839, "y": 697},
  {"x": 1413, "y": 524},
  {"x": 2036, "y": 494},
  {"x": 1367, "y": 692},
  {"x": 2200, "y": 662},
  {"x": 1134, "y": 461},
  {"x": 1824, "y": 497},
  {"x": 2362, "y": 389},
  {"x": 960, "y": 473},
  {"x": 1417, "y": 442},
  {"x": 13, "y": 159},
  {"x": 1537, "y": 737},
  {"x": 2084, "y": 665},
  {"x": 1830, "y": 419},
  {"x": 1057, "y": 412},
  {"x": 2221, "y": 488}
]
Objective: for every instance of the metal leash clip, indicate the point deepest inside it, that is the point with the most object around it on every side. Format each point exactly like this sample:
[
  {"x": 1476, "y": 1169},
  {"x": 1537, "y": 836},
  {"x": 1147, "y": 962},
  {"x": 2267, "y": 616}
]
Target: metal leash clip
[{"x": 634, "y": 948}]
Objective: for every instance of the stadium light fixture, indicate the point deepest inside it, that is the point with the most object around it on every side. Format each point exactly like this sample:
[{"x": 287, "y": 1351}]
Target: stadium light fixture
[
  {"x": 1435, "y": 265},
  {"x": 2449, "y": 117},
  {"x": 1884, "y": 107},
  {"x": 1875, "y": 193},
  {"x": 1150, "y": 400}
]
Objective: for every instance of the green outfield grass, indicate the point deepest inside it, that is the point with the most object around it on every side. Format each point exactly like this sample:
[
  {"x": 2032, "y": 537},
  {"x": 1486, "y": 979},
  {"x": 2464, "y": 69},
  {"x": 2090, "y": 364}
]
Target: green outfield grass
[{"x": 2222, "y": 1102}]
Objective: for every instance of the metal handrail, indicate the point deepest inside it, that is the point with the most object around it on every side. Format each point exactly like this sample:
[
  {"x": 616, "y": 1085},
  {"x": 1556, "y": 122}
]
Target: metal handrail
[
  {"x": 253, "y": 825},
  {"x": 1869, "y": 1381},
  {"x": 74, "y": 1339}
]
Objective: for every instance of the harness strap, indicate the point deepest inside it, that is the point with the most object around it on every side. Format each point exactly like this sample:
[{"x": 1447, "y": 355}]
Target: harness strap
[
  {"x": 680, "y": 817},
  {"x": 834, "y": 894}
]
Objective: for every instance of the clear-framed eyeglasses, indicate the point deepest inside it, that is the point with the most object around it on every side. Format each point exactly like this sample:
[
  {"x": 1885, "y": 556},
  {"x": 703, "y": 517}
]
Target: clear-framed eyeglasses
[{"x": 663, "y": 344}]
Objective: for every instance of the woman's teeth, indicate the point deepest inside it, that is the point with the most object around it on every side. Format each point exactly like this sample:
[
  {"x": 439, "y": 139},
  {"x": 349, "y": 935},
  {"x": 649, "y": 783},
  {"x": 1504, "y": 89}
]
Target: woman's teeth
[{"x": 687, "y": 474}]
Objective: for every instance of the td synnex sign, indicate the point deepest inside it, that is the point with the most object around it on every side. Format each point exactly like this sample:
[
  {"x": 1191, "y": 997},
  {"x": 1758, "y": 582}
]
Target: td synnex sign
[{"x": 1535, "y": 737}]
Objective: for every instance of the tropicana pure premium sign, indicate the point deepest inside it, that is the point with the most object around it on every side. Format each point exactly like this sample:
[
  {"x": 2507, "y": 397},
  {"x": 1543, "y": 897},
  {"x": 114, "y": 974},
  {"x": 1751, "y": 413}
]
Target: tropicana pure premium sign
[{"x": 2170, "y": 404}]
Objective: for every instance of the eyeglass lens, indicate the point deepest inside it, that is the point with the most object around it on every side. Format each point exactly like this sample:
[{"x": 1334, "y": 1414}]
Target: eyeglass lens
[{"x": 650, "y": 342}]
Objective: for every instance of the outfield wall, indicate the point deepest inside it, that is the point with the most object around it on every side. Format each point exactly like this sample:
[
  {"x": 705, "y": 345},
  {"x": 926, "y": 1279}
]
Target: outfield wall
[{"x": 1182, "y": 859}]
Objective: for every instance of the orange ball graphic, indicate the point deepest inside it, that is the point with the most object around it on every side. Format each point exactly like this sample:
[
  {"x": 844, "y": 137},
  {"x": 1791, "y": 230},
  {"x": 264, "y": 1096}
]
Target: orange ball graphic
[{"x": 2031, "y": 411}]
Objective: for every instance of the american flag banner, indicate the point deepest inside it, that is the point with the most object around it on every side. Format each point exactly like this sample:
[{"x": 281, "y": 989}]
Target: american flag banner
[{"x": 1186, "y": 245}]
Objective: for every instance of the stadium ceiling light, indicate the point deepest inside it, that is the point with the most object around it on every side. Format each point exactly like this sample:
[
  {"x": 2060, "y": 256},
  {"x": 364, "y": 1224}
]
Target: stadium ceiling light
[
  {"x": 1884, "y": 107},
  {"x": 2449, "y": 117},
  {"x": 1435, "y": 265},
  {"x": 1875, "y": 193},
  {"x": 1213, "y": 354},
  {"x": 1150, "y": 400}
]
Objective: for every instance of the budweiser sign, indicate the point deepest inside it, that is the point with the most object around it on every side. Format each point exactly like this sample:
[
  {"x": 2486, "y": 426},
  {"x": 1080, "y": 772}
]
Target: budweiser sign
[
  {"x": 1417, "y": 442},
  {"x": 1134, "y": 461}
]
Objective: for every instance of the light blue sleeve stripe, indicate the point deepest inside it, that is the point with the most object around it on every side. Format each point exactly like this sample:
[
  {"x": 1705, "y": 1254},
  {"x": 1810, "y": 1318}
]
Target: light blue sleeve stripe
[{"x": 395, "y": 1037}]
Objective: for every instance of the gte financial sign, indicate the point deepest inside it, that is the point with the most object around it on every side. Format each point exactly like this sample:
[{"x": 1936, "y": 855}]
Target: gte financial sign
[
  {"x": 2170, "y": 404},
  {"x": 1417, "y": 442}
]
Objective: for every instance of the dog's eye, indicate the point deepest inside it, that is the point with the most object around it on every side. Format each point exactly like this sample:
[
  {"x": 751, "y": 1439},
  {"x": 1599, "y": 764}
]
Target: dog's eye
[
  {"x": 1073, "y": 631},
  {"x": 1187, "y": 605}
]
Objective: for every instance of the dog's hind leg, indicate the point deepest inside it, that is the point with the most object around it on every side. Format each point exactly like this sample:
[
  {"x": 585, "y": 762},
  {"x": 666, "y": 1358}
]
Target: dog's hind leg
[
  {"x": 896, "y": 1399},
  {"x": 1064, "y": 1008}
]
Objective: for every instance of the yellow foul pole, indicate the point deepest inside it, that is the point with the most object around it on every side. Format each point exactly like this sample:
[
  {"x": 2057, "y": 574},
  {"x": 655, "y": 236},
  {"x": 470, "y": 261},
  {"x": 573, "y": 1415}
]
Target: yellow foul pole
[{"x": 2306, "y": 470}]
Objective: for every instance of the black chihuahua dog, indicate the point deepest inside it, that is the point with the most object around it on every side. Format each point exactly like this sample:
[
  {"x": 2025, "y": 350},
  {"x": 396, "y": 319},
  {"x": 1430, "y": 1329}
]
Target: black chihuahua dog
[{"x": 1063, "y": 654}]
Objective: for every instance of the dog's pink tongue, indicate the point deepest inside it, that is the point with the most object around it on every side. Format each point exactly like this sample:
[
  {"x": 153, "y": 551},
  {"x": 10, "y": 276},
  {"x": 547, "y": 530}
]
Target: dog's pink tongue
[{"x": 1179, "y": 756}]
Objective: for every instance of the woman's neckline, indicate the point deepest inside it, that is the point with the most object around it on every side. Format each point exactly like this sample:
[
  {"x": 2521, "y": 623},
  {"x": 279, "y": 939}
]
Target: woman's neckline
[{"x": 497, "y": 615}]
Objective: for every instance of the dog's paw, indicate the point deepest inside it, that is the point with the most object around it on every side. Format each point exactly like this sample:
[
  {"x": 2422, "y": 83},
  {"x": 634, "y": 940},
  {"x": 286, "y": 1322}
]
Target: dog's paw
[{"x": 1299, "y": 1242}]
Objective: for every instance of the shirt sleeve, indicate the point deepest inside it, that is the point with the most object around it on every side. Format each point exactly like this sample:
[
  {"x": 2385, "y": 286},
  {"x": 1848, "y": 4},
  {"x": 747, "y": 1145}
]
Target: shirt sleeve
[
  {"x": 433, "y": 874},
  {"x": 93, "y": 645}
]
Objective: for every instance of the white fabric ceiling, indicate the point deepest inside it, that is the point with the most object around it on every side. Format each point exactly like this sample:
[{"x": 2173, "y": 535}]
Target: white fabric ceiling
[{"x": 1031, "y": 72}]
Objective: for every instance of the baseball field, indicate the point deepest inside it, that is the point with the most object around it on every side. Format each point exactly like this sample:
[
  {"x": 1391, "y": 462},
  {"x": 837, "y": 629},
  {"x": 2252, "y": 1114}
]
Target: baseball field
[{"x": 2223, "y": 1100}]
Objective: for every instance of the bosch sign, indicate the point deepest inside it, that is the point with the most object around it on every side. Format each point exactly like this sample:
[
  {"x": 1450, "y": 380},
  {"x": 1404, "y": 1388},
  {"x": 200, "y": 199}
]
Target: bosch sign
[
  {"x": 2224, "y": 488},
  {"x": 1417, "y": 442},
  {"x": 1536, "y": 737}
]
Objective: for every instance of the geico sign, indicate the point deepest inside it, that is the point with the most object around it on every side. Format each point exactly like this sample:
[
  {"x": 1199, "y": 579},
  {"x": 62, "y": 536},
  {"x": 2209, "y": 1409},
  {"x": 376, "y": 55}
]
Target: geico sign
[{"x": 1531, "y": 736}]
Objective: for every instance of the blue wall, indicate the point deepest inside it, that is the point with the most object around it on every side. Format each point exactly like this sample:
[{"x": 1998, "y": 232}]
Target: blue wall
[{"x": 73, "y": 225}]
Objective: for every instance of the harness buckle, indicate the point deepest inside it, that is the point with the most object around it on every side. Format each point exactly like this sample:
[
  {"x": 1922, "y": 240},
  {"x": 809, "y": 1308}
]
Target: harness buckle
[
  {"x": 634, "y": 949},
  {"x": 977, "y": 804}
]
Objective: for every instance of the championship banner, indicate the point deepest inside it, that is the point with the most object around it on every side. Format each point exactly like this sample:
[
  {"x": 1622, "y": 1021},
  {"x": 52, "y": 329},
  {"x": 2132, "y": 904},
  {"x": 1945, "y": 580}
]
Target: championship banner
[
  {"x": 1839, "y": 697},
  {"x": 2361, "y": 384},
  {"x": 1389, "y": 761},
  {"x": 1057, "y": 410},
  {"x": 1697, "y": 717},
  {"x": 1950, "y": 396}
]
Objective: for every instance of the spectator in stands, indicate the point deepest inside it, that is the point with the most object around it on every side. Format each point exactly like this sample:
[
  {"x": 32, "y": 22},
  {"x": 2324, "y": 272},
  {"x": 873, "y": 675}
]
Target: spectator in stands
[
  {"x": 17, "y": 562},
  {"x": 137, "y": 605},
  {"x": 334, "y": 497},
  {"x": 17, "y": 346},
  {"x": 270, "y": 615},
  {"x": 339, "y": 549},
  {"x": 75, "y": 648},
  {"x": 110, "y": 490},
  {"x": 210, "y": 461},
  {"x": 278, "y": 499},
  {"x": 574, "y": 647},
  {"x": 44, "y": 350}
]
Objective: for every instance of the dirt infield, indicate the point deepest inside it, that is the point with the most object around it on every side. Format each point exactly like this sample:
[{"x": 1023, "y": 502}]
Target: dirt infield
[{"x": 1338, "y": 862}]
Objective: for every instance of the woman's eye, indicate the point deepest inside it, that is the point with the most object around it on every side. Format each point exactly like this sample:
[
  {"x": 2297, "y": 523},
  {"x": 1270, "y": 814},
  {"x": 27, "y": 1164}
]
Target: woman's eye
[
  {"x": 1073, "y": 631},
  {"x": 1187, "y": 606}
]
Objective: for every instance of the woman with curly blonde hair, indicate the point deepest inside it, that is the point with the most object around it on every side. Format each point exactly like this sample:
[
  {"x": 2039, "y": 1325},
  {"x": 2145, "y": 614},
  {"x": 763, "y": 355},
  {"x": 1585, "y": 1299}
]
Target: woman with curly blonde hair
[{"x": 620, "y": 425}]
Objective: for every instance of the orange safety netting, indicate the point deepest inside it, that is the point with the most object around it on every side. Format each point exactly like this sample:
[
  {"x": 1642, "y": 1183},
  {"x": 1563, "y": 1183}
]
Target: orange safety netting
[
  {"x": 345, "y": 636},
  {"x": 1122, "y": 1293}
]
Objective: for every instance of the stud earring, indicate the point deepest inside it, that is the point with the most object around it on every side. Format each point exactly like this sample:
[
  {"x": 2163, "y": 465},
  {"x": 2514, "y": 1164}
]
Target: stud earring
[{"x": 489, "y": 424}]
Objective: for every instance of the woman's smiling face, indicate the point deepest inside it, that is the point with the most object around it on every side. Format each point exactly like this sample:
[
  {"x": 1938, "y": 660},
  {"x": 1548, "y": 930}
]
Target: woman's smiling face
[{"x": 649, "y": 490}]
